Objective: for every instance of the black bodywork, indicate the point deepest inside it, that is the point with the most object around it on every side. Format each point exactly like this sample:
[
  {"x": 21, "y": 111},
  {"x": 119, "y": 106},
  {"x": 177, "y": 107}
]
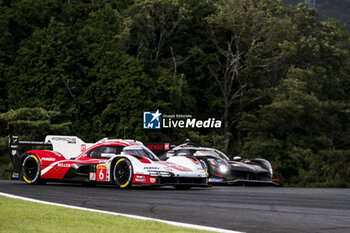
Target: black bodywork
[{"x": 222, "y": 170}]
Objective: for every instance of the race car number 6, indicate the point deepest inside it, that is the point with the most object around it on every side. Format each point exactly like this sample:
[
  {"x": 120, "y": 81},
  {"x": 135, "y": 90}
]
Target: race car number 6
[{"x": 101, "y": 176}]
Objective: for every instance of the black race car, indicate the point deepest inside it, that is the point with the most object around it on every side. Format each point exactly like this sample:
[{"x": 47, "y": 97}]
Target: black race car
[{"x": 222, "y": 170}]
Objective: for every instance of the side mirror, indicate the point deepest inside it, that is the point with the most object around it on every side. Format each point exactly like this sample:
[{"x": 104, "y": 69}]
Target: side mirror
[{"x": 236, "y": 158}]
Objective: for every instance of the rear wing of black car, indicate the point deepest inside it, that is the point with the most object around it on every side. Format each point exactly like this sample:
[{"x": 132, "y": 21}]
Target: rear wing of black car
[{"x": 13, "y": 144}]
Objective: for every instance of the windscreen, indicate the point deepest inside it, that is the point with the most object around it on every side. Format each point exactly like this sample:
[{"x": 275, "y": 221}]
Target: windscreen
[
  {"x": 140, "y": 151},
  {"x": 200, "y": 152}
]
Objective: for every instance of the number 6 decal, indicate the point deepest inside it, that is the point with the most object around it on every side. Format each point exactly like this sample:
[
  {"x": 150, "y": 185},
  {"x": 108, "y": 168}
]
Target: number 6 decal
[
  {"x": 101, "y": 176},
  {"x": 101, "y": 170}
]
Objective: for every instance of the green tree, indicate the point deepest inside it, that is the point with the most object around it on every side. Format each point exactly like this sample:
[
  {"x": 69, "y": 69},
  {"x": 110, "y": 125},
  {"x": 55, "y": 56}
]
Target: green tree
[
  {"x": 246, "y": 36},
  {"x": 32, "y": 123},
  {"x": 117, "y": 85},
  {"x": 298, "y": 129},
  {"x": 47, "y": 70},
  {"x": 156, "y": 25}
]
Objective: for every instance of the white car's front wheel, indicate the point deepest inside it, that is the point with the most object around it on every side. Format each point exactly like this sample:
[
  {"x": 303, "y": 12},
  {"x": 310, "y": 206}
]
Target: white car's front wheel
[{"x": 123, "y": 173}]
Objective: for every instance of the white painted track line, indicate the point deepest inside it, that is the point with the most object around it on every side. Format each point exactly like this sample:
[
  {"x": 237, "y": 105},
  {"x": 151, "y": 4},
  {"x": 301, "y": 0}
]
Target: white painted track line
[{"x": 179, "y": 224}]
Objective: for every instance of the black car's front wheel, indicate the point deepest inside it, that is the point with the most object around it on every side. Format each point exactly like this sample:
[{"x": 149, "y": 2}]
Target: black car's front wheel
[
  {"x": 31, "y": 169},
  {"x": 123, "y": 173}
]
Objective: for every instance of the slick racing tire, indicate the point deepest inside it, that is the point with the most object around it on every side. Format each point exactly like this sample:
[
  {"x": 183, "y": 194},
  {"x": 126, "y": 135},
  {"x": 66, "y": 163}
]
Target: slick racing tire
[
  {"x": 123, "y": 173},
  {"x": 31, "y": 169}
]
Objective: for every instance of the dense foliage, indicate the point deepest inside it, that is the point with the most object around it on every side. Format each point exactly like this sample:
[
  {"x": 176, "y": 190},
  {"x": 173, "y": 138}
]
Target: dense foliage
[
  {"x": 328, "y": 9},
  {"x": 277, "y": 77}
]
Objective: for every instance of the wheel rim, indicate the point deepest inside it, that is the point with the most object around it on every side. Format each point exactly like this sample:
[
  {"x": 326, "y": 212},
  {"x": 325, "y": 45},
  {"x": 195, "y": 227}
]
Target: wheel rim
[
  {"x": 122, "y": 173},
  {"x": 30, "y": 169}
]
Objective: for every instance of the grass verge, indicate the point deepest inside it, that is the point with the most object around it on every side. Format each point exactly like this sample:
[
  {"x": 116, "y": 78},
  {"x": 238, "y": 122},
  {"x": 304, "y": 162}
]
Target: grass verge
[{"x": 25, "y": 216}]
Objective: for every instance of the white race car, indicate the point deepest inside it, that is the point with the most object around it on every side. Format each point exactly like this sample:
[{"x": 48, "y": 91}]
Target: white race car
[{"x": 110, "y": 161}]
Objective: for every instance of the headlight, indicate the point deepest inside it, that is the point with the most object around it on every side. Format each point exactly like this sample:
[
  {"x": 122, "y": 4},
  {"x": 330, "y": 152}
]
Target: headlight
[
  {"x": 156, "y": 173},
  {"x": 204, "y": 174},
  {"x": 268, "y": 166},
  {"x": 166, "y": 174},
  {"x": 223, "y": 168},
  {"x": 153, "y": 173}
]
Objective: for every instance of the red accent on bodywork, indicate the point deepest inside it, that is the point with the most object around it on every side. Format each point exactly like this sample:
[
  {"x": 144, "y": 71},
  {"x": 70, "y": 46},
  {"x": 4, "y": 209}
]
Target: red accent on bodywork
[
  {"x": 193, "y": 159},
  {"x": 173, "y": 166},
  {"x": 275, "y": 179},
  {"x": 109, "y": 143},
  {"x": 143, "y": 179},
  {"x": 219, "y": 175},
  {"x": 47, "y": 157},
  {"x": 144, "y": 160},
  {"x": 58, "y": 171}
]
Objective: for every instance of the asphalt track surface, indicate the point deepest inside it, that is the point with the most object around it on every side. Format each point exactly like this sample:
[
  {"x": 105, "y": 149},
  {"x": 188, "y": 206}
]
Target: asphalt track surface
[{"x": 247, "y": 209}]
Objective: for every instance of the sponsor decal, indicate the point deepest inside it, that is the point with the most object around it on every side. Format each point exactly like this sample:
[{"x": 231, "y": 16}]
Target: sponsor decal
[
  {"x": 69, "y": 140},
  {"x": 64, "y": 165},
  {"x": 153, "y": 180},
  {"x": 166, "y": 146},
  {"x": 14, "y": 152},
  {"x": 151, "y": 168},
  {"x": 101, "y": 166},
  {"x": 155, "y": 146},
  {"x": 15, "y": 175},
  {"x": 48, "y": 159},
  {"x": 92, "y": 176},
  {"x": 101, "y": 172},
  {"x": 157, "y": 120},
  {"x": 151, "y": 120},
  {"x": 140, "y": 180},
  {"x": 83, "y": 147},
  {"x": 215, "y": 180}
]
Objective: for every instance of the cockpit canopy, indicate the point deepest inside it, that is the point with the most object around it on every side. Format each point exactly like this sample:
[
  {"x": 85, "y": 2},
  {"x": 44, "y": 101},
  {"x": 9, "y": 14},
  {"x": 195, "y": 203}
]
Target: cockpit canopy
[
  {"x": 198, "y": 152},
  {"x": 140, "y": 151},
  {"x": 106, "y": 152}
]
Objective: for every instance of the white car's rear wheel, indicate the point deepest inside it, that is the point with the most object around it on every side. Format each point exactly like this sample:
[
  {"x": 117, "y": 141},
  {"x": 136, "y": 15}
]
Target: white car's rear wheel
[{"x": 31, "y": 169}]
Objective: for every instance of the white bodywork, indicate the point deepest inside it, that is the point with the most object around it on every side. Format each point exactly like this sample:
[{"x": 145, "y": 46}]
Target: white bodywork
[
  {"x": 179, "y": 166},
  {"x": 68, "y": 146}
]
